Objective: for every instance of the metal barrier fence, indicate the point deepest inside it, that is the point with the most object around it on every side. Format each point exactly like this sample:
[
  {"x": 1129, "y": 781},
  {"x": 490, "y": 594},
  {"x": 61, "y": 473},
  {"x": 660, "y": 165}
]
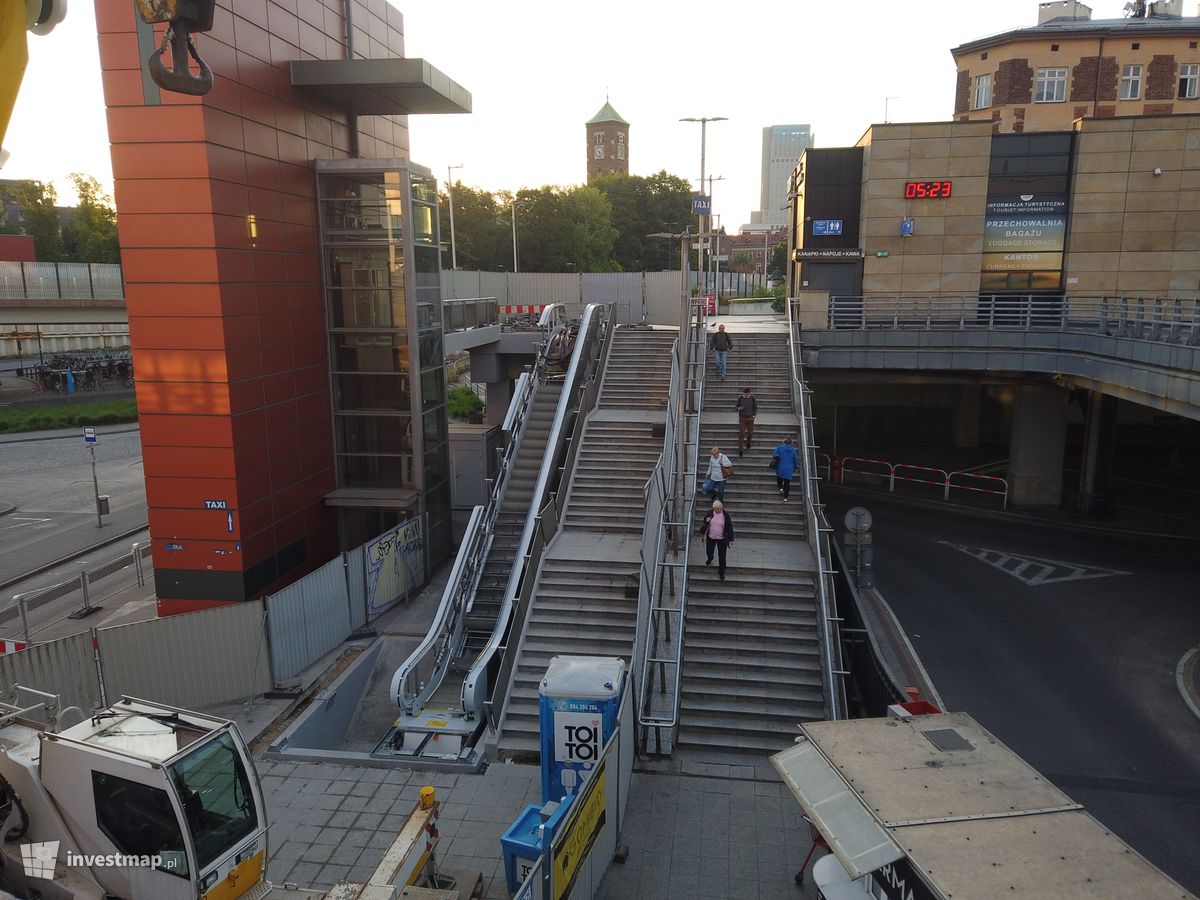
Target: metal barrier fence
[
  {"x": 833, "y": 672},
  {"x": 51, "y": 280},
  {"x": 960, "y": 480},
  {"x": 34, "y": 611},
  {"x": 43, "y": 340},
  {"x": 1170, "y": 320}
]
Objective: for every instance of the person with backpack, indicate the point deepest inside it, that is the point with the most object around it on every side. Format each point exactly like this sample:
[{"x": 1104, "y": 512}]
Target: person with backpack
[{"x": 784, "y": 460}]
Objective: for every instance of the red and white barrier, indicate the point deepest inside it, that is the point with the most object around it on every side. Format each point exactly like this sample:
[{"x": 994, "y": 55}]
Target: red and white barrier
[
  {"x": 11, "y": 646},
  {"x": 522, "y": 310},
  {"x": 948, "y": 481}
]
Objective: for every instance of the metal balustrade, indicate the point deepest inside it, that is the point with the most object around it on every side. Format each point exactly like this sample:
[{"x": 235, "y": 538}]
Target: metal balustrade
[{"x": 1162, "y": 319}]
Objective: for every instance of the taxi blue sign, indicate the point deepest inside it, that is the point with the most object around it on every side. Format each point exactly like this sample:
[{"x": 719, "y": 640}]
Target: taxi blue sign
[{"x": 701, "y": 204}]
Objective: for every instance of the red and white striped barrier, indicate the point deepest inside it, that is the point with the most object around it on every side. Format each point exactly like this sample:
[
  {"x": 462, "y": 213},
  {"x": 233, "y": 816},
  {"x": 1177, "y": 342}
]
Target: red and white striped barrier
[
  {"x": 943, "y": 481},
  {"x": 948, "y": 481},
  {"x": 522, "y": 310},
  {"x": 994, "y": 479},
  {"x": 11, "y": 646}
]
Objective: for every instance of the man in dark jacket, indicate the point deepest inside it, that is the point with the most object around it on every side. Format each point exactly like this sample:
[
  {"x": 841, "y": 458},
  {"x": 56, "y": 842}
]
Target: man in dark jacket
[
  {"x": 721, "y": 344},
  {"x": 747, "y": 409},
  {"x": 718, "y": 535}
]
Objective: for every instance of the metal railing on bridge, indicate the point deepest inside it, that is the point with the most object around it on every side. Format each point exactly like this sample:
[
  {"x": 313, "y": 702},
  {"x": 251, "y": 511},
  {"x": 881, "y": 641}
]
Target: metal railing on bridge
[
  {"x": 1163, "y": 319},
  {"x": 473, "y": 312},
  {"x": 60, "y": 281}
]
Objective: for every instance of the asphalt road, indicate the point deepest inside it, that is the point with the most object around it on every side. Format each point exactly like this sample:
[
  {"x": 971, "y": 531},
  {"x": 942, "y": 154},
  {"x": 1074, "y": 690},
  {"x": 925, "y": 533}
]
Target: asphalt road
[
  {"x": 1063, "y": 643},
  {"x": 49, "y": 480}
]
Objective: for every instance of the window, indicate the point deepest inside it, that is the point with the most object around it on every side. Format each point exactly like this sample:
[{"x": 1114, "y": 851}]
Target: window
[
  {"x": 1054, "y": 48},
  {"x": 1131, "y": 82},
  {"x": 983, "y": 57},
  {"x": 215, "y": 792},
  {"x": 140, "y": 821},
  {"x": 983, "y": 91},
  {"x": 1050, "y": 86},
  {"x": 1189, "y": 81},
  {"x": 1135, "y": 46}
]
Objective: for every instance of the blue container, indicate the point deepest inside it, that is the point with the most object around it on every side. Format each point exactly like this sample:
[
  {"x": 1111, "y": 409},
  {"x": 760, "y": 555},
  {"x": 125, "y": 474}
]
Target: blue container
[
  {"x": 525, "y": 840},
  {"x": 578, "y": 704}
]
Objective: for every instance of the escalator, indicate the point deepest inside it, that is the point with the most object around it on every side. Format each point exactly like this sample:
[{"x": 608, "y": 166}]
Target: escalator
[{"x": 440, "y": 686}]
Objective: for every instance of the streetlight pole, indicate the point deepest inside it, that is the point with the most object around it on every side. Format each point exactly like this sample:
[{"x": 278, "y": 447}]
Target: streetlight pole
[
  {"x": 716, "y": 258},
  {"x": 450, "y": 198},
  {"x": 711, "y": 179},
  {"x": 514, "y": 229},
  {"x": 702, "y": 231}
]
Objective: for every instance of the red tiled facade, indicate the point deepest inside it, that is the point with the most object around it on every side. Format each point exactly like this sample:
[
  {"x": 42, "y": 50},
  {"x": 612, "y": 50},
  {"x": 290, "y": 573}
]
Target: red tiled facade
[{"x": 219, "y": 241}]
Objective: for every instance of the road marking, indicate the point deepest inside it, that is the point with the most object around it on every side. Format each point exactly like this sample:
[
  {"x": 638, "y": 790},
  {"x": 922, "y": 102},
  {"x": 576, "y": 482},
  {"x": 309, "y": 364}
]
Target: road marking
[
  {"x": 22, "y": 521},
  {"x": 1034, "y": 570}
]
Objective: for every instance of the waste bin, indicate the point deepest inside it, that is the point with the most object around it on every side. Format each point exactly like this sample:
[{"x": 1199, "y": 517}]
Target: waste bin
[
  {"x": 527, "y": 837},
  {"x": 102, "y": 504},
  {"x": 578, "y": 704}
]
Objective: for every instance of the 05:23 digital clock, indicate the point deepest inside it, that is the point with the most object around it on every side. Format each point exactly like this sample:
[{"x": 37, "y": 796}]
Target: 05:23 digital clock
[{"x": 926, "y": 190}]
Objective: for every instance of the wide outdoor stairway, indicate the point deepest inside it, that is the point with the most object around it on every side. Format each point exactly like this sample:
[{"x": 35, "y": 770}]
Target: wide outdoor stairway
[
  {"x": 619, "y": 448},
  {"x": 579, "y": 608},
  {"x": 579, "y": 604},
  {"x": 510, "y": 521},
  {"x": 752, "y": 661}
]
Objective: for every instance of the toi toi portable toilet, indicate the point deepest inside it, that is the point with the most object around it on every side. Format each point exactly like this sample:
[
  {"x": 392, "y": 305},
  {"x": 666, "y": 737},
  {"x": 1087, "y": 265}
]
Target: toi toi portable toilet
[{"x": 578, "y": 703}]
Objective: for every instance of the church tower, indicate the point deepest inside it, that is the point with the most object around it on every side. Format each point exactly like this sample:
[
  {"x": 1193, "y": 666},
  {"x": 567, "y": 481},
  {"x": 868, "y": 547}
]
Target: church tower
[{"x": 607, "y": 143}]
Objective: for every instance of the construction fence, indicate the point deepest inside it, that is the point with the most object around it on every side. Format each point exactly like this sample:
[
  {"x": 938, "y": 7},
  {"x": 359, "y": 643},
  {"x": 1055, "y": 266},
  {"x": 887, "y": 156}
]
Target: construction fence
[{"x": 213, "y": 656}]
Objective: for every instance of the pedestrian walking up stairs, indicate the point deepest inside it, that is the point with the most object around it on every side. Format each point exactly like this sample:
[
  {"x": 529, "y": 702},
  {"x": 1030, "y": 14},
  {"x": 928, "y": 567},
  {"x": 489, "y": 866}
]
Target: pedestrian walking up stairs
[
  {"x": 752, "y": 661},
  {"x": 581, "y": 603}
]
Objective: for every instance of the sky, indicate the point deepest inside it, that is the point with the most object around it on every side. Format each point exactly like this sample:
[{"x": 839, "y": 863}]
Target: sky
[{"x": 539, "y": 69}]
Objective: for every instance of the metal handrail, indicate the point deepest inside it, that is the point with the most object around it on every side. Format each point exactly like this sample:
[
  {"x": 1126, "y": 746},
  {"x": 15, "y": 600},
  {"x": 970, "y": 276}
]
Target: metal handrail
[
  {"x": 658, "y": 612},
  {"x": 1155, "y": 319},
  {"x": 475, "y": 687},
  {"x": 818, "y": 527},
  {"x": 434, "y": 653},
  {"x": 549, "y": 520}
]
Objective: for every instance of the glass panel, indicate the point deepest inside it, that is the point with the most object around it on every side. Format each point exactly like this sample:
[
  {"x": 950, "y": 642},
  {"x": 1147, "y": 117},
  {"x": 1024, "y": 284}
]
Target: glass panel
[
  {"x": 427, "y": 315},
  {"x": 140, "y": 821},
  {"x": 436, "y": 465},
  {"x": 381, "y": 392},
  {"x": 431, "y": 349},
  {"x": 368, "y": 308},
  {"x": 435, "y": 427},
  {"x": 215, "y": 792},
  {"x": 422, "y": 224},
  {"x": 373, "y": 434},
  {"x": 366, "y": 352},
  {"x": 357, "y": 267},
  {"x": 433, "y": 388},
  {"x": 388, "y": 472}
]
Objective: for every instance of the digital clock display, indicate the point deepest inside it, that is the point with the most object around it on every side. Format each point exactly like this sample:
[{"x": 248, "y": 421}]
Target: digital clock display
[{"x": 922, "y": 190}]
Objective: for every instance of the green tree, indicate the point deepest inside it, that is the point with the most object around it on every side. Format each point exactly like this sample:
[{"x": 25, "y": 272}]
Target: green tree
[
  {"x": 564, "y": 229},
  {"x": 90, "y": 232},
  {"x": 740, "y": 258},
  {"x": 482, "y": 236},
  {"x": 778, "y": 267},
  {"x": 38, "y": 200},
  {"x": 642, "y": 206}
]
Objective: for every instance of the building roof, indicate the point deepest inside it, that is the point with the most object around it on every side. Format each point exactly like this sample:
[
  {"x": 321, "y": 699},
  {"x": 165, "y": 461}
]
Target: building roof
[
  {"x": 1086, "y": 28},
  {"x": 381, "y": 87},
  {"x": 607, "y": 114}
]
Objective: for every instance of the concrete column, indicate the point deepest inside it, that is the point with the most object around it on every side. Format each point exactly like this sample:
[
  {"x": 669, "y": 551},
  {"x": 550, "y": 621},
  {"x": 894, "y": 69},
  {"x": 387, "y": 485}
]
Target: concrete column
[
  {"x": 1039, "y": 435},
  {"x": 965, "y": 425},
  {"x": 499, "y": 395},
  {"x": 1095, "y": 482}
]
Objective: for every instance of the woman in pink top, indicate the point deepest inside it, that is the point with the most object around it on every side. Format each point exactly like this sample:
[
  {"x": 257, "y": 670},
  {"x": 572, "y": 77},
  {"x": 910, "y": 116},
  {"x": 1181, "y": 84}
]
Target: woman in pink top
[{"x": 718, "y": 535}]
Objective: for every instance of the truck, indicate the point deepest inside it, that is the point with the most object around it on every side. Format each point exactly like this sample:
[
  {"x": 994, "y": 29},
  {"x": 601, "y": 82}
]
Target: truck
[{"x": 135, "y": 800}]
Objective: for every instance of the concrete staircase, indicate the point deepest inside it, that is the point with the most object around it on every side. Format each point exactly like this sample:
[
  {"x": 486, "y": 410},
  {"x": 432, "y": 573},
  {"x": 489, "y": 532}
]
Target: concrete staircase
[
  {"x": 752, "y": 665},
  {"x": 510, "y": 521},
  {"x": 579, "y": 608},
  {"x": 580, "y": 605}
]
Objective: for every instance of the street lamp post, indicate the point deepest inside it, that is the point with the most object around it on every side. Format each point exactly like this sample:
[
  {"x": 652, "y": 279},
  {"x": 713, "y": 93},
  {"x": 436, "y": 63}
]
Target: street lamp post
[
  {"x": 700, "y": 225},
  {"x": 450, "y": 198},
  {"x": 514, "y": 230},
  {"x": 711, "y": 255}
]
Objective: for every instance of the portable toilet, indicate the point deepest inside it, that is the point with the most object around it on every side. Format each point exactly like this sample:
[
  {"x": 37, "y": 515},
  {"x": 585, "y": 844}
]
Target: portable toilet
[{"x": 578, "y": 704}]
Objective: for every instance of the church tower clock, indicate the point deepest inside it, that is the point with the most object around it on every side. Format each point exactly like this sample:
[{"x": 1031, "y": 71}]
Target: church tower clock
[{"x": 607, "y": 143}]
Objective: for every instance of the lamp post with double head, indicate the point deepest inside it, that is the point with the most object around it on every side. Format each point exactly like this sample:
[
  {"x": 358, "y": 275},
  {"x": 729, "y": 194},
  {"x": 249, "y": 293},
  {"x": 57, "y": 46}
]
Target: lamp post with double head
[{"x": 702, "y": 219}]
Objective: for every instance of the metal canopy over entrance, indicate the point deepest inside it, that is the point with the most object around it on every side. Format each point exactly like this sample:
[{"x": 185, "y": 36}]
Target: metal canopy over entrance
[{"x": 381, "y": 87}]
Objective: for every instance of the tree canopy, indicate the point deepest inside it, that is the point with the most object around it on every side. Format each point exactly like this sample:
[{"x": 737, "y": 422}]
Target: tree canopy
[
  {"x": 38, "y": 200},
  {"x": 643, "y": 206},
  {"x": 84, "y": 233}
]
